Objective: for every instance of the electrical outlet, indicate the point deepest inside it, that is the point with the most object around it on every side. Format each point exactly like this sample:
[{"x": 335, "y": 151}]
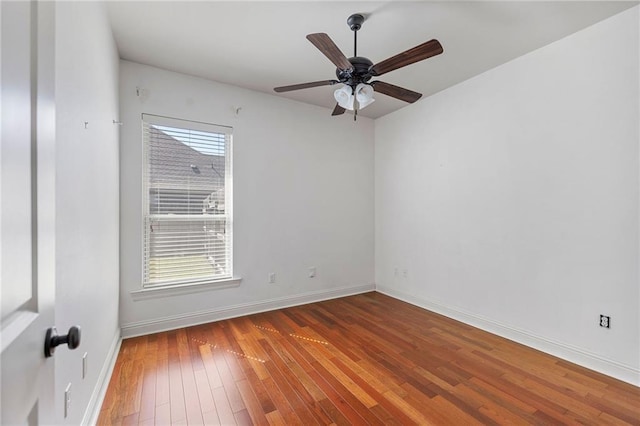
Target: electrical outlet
[
  {"x": 312, "y": 272},
  {"x": 395, "y": 272},
  {"x": 405, "y": 273},
  {"x": 67, "y": 400},
  {"x": 84, "y": 365},
  {"x": 272, "y": 278},
  {"x": 605, "y": 321}
]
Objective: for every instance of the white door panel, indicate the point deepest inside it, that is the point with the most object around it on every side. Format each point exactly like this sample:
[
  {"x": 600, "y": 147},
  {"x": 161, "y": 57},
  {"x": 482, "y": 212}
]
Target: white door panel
[
  {"x": 27, "y": 206},
  {"x": 16, "y": 154}
]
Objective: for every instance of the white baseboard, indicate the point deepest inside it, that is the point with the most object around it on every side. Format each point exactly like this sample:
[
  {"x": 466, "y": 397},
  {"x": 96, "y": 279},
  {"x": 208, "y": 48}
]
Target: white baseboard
[
  {"x": 194, "y": 318},
  {"x": 570, "y": 353},
  {"x": 100, "y": 390}
]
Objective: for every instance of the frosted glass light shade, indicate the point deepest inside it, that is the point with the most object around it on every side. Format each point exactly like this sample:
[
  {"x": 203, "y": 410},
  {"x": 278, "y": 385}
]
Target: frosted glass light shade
[
  {"x": 344, "y": 97},
  {"x": 364, "y": 95}
]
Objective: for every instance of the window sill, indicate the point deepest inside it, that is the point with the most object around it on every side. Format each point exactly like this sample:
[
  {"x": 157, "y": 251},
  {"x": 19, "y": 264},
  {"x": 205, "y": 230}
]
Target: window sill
[{"x": 180, "y": 289}]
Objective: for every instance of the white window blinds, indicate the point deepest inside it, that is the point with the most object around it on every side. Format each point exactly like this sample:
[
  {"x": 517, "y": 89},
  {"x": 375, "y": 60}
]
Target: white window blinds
[{"x": 188, "y": 206}]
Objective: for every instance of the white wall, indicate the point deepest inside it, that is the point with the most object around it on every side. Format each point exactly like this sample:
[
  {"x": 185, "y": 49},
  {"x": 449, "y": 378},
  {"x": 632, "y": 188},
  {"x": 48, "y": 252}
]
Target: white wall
[
  {"x": 511, "y": 199},
  {"x": 303, "y": 196},
  {"x": 86, "y": 201}
]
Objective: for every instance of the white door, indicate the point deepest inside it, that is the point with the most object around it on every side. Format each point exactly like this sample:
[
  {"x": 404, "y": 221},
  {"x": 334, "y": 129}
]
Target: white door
[{"x": 27, "y": 231}]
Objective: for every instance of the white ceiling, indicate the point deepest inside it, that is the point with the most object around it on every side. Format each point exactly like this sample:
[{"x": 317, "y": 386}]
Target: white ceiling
[{"x": 262, "y": 45}]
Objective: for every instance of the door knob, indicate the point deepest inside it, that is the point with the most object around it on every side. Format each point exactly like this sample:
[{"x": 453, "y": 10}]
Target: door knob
[{"x": 51, "y": 340}]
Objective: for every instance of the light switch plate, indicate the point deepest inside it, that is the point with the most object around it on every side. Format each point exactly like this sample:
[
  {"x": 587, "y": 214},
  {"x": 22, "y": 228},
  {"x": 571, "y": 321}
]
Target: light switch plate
[
  {"x": 84, "y": 365},
  {"x": 67, "y": 400}
]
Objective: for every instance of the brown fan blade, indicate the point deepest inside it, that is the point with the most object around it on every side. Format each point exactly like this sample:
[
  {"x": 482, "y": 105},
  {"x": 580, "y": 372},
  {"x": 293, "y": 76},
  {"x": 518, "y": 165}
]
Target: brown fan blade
[
  {"x": 324, "y": 43},
  {"x": 408, "y": 57},
  {"x": 396, "y": 91},
  {"x": 338, "y": 110},
  {"x": 305, "y": 85}
]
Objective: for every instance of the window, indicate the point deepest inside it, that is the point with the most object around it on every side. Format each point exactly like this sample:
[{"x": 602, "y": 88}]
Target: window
[{"x": 187, "y": 202}]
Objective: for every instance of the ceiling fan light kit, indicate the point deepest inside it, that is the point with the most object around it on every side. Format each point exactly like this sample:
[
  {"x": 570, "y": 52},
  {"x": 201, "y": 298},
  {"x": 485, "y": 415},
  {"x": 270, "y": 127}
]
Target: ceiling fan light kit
[
  {"x": 354, "y": 99},
  {"x": 356, "y": 72}
]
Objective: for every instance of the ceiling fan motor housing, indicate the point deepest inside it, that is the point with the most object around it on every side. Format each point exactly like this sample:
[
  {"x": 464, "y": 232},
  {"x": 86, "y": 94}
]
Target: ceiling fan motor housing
[{"x": 359, "y": 73}]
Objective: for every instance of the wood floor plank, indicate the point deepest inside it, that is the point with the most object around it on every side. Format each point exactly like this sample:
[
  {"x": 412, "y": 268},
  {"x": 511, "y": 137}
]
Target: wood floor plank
[
  {"x": 456, "y": 415},
  {"x": 338, "y": 401},
  {"x": 232, "y": 357},
  {"x": 411, "y": 410},
  {"x": 110, "y": 409},
  {"x": 567, "y": 400},
  {"x": 252, "y": 403},
  {"x": 134, "y": 378},
  {"x": 615, "y": 399},
  {"x": 608, "y": 419},
  {"x": 176, "y": 391},
  {"x": 369, "y": 386},
  {"x": 131, "y": 419},
  {"x": 162, "y": 381},
  {"x": 148, "y": 422},
  {"x": 189, "y": 387},
  {"x": 210, "y": 367},
  {"x": 205, "y": 396},
  {"x": 364, "y": 359},
  {"x": 275, "y": 419},
  {"x": 211, "y": 418},
  {"x": 150, "y": 372},
  {"x": 242, "y": 418},
  {"x": 228, "y": 382},
  {"x": 500, "y": 395},
  {"x": 163, "y": 414},
  {"x": 347, "y": 382},
  {"x": 425, "y": 405},
  {"x": 385, "y": 377},
  {"x": 290, "y": 385},
  {"x": 284, "y": 409},
  {"x": 496, "y": 412},
  {"x": 253, "y": 349},
  {"x": 613, "y": 409},
  {"x": 354, "y": 400},
  {"x": 196, "y": 336},
  {"x": 224, "y": 410},
  {"x": 256, "y": 384},
  {"x": 148, "y": 396}
]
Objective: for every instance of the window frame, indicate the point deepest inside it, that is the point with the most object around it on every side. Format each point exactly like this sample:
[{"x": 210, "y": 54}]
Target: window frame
[{"x": 188, "y": 285}]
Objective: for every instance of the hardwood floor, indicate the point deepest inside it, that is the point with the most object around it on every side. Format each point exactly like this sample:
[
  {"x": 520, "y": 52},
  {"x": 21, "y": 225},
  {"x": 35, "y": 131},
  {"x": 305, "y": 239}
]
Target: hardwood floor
[{"x": 366, "y": 359}]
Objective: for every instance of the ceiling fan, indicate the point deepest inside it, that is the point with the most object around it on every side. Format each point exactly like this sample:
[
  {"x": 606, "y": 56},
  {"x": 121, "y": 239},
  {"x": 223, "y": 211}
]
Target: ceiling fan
[{"x": 355, "y": 72}]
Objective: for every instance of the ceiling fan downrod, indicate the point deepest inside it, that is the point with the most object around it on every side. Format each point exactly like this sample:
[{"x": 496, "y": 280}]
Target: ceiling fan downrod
[
  {"x": 355, "y": 22},
  {"x": 355, "y": 43}
]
